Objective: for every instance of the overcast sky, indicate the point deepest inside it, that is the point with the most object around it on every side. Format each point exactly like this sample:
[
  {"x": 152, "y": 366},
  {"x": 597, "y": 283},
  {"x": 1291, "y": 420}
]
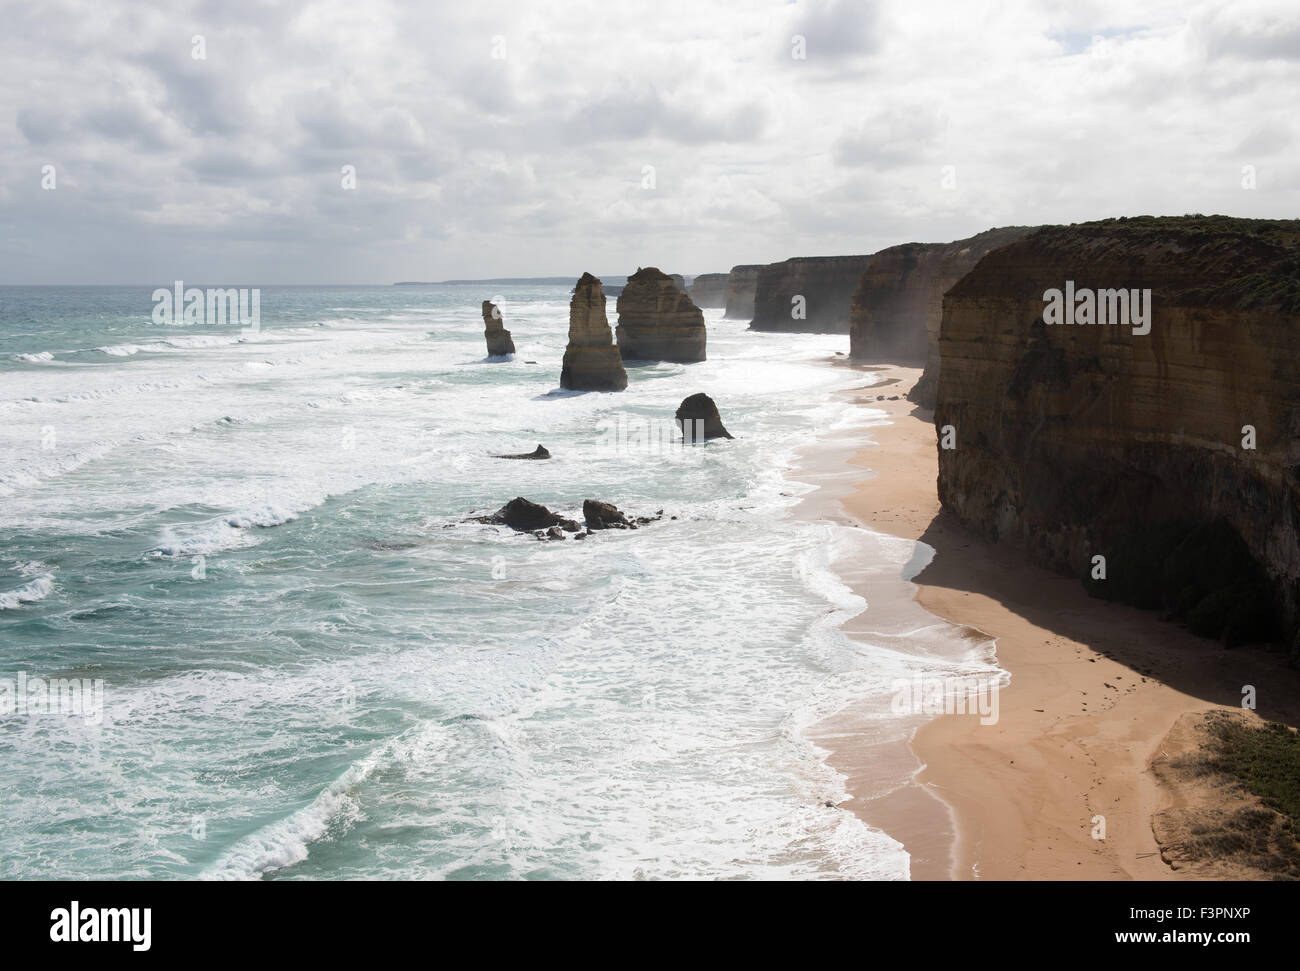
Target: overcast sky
[{"x": 513, "y": 139}]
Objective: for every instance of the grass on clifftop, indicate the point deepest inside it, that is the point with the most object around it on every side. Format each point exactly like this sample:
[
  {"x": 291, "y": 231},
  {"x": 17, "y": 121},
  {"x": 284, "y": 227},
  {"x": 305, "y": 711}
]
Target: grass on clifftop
[{"x": 1247, "y": 263}]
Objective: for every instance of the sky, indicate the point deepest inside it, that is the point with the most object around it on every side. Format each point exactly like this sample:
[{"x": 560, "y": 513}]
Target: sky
[{"x": 237, "y": 142}]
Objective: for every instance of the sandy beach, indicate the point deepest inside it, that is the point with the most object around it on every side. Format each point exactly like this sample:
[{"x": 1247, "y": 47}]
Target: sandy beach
[{"x": 1095, "y": 690}]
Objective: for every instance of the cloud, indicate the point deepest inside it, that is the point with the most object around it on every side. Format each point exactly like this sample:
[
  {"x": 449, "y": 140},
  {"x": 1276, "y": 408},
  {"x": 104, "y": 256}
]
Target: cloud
[{"x": 499, "y": 139}]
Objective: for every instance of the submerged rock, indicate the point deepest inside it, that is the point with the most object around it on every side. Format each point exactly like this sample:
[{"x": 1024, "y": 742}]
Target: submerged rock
[
  {"x": 591, "y": 361},
  {"x": 657, "y": 321},
  {"x": 698, "y": 418},
  {"x": 499, "y": 341},
  {"x": 538, "y": 453}
]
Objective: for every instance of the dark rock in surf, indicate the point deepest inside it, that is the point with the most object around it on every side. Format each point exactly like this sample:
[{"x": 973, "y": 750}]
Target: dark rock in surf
[
  {"x": 538, "y": 453},
  {"x": 698, "y": 419},
  {"x": 499, "y": 342},
  {"x": 603, "y": 515},
  {"x": 525, "y": 516}
]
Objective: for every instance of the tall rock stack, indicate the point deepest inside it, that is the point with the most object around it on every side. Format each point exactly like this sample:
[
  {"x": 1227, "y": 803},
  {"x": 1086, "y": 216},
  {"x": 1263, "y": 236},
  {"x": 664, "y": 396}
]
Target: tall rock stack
[
  {"x": 657, "y": 321},
  {"x": 591, "y": 361},
  {"x": 741, "y": 282},
  {"x": 499, "y": 342}
]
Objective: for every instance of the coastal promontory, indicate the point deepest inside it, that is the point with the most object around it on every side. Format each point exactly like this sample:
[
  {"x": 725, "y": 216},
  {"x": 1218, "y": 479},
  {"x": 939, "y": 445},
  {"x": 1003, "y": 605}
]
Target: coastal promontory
[
  {"x": 807, "y": 294},
  {"x": 1165, "y": 441}
]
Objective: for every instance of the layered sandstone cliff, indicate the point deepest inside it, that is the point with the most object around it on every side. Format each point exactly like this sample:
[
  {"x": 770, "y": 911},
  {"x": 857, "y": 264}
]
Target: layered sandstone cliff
[
  {"x": 807, "y": 294},
  {"x": 657, "y": 321},
  {"x": 709, "y": 290},
  {"x": 591, "y": 361},
  {"x": 741, "y": 282},
  {"x": 499, "y": 342},
  {"x": 895, "y": 311},
  {"x": 1175, "y": 453}
]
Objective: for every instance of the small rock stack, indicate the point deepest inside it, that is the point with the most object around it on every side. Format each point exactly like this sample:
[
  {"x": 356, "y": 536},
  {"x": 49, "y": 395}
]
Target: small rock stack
[{"x": 499, "y": 342}]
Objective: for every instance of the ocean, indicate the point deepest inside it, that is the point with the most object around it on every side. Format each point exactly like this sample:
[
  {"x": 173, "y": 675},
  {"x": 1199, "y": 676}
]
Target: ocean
[{"x": 313, "y": 667}]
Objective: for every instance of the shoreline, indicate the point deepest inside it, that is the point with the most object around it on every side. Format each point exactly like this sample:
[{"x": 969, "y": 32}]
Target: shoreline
[{"x": 1095, "y": 688}]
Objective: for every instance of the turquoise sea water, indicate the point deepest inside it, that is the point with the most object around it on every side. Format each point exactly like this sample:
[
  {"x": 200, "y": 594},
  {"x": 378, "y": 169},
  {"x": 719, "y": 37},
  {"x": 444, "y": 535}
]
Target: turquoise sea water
[{"x": 314, "y": 668}]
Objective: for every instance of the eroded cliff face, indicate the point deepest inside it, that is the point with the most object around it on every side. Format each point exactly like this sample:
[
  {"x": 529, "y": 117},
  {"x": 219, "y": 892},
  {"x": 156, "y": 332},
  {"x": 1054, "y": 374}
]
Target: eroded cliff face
[
  {"x": 1078, "y": 440},
  {"x": 657, "y": 321},
  {"x": 741, "y": 282},
  {"x": 807, "y": 294},
  {"x": 709, "y": 290},
  {"x": 895, "y": 310},
  {"x": 591, "y": 361}
]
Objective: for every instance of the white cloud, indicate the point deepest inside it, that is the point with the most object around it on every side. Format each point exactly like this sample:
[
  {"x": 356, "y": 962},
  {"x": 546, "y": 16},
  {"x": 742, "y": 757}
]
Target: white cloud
[{"x": 531, "y": 164}]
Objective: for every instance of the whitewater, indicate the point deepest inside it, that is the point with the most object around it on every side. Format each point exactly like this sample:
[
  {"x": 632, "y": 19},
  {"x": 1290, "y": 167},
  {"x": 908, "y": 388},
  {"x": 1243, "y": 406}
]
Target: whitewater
[{"x": 315, "y": 668}]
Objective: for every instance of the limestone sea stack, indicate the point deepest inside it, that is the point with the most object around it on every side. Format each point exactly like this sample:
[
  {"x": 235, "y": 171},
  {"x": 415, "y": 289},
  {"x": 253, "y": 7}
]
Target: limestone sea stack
[
  {"x": 698, "y": 419},
  {"x": 657, "y": 321},
  {"x": 1165, "y": 442},
  {"x": 807, "y": 294},
  {"x": 741, "y": 282},
  {"x": 499, "y": 342},
  {"x": 591, "y": 361},
  {"x": 709, "y": 290}
]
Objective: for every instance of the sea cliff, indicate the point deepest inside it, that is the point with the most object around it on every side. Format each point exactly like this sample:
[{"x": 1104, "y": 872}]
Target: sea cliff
[{"x": 1173, "y": 452}]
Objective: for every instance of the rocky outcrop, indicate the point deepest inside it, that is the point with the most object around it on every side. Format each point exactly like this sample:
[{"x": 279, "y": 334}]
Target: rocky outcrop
[
  {"x": 538, "y": 453},
  {"x": 591, "y": 361},
  {"x": 807, "y": 294},
  {"x": 657, "y": 321},
  {"x": 499, "y": 342},
  {"x": 605, "y": 515},
  {"x": 709, "y": 290},
  {"x": 1174, "y": 453},
  {"x": 698, "y": 419},
  {"x": 741, "y": 282},
  {"x": 525, "y": 516}
]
